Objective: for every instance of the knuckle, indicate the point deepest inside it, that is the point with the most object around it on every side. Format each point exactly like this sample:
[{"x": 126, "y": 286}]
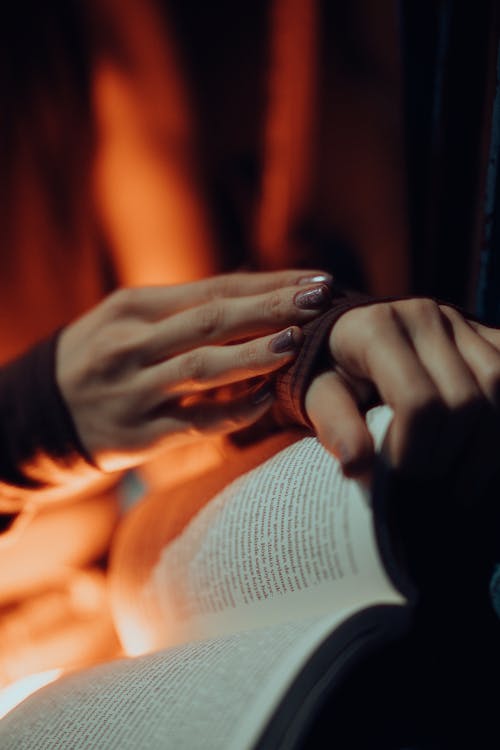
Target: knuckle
[
  {"x": 274, "y": 306},
  {"x": 222, "y": 286},
  {"x": 111, "y": 357},
  {"x": 424, "y": 309},
  {"x": 348, "y": 326},
  {"x": 371, "y": 326},
  {"x": 249, "y": 356},
  {"x": 376, "y": 318},
  {"x": 102, "y": 356},
  {"x": 210, "y": 318},
  {"x": 192, "y": 366},
  {"x": 122, "y": 301},
  {"x": 450, "y": 312}
]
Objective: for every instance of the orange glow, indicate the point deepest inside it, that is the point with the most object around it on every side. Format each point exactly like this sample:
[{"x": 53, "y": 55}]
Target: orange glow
[
  {"x": 289, "y": 136},
  {"x": 53, "y": 543},
  {"x": 156, "y": 521},
  {"x": 146, "y": 180},
  {"x": 135, "y": 199},
  {"x": 136, "y": 546},
  {"x": 63, "y": 627},
  {"x": 135, "y": 639},
  {"x": 11, "y": 696}
]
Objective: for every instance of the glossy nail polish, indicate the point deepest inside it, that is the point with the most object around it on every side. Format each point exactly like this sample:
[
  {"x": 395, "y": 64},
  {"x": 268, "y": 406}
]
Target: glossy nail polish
[
  {"x": 313, "y": 299},
  {"x": 284, "y": 342},
  {"x": 319, "y": 278}
]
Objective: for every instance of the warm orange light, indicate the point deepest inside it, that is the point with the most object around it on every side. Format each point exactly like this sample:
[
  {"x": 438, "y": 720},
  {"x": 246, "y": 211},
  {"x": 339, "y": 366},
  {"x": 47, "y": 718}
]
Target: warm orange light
[
  {"x": 135, "y": 640},
  {"x": 289, "y": 132},
  {"x": 56, "y": 542},
  {"x": 67, "y": 626},
  {"x": 11, "y": 696},
  {"x": 147, "y": 185}
]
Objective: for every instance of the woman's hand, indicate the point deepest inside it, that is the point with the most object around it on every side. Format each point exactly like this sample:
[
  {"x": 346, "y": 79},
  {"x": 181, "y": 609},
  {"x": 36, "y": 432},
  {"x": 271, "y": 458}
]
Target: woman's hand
[
  {"x": 440, "y": 374},
  {"x": 141, "y": 367}
]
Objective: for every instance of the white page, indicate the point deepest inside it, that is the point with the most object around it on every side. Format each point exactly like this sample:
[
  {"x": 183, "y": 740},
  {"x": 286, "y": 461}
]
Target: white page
[
  {"x": 215, "y": 695},
  {"x": 289, "y": 538}
]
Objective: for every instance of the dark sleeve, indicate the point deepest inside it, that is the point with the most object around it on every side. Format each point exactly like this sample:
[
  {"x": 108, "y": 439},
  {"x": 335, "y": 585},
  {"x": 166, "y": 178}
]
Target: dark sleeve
[
  {"x": 314, "y": 356},
  {"x": 39, "y": 446}
]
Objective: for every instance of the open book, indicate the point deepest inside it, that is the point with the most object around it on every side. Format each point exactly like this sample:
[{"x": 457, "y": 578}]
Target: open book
[{"x": 254, "y": 603}]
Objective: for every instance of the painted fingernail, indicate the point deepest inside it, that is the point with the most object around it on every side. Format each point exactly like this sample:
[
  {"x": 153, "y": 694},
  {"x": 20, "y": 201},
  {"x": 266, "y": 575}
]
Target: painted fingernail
[
  {"x": 286, "y": 341},
  {"x": 262, "y": 393},
  {"x": 319, "y": 278},
  {"x": 312, "y": 299}
]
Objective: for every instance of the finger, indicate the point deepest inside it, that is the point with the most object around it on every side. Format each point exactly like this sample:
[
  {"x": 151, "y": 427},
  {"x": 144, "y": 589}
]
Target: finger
[
  {"x": 228, "y": 319},
  {"x": 214, "y": 366},
  {"x": 338, "y": 423},
  {"x": 475, "y": 343},
  {"x": 479, "y": 463},
  {"x": 373, "y": 345},
  {"x": 156, "y": 302},
  {"x": 434, "y": 341},
  {"x": 198, "y": 416},
  {"x": 488, "y": 333}
]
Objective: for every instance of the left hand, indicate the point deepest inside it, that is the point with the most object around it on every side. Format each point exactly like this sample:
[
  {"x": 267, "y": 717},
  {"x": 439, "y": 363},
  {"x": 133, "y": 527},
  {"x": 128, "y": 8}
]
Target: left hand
[{"x": 152, "y": 366}]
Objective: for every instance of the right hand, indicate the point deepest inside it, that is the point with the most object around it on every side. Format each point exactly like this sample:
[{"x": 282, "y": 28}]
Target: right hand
[
  {"x": 141, "y": 367},
  {"x": 438, "y": 371}
]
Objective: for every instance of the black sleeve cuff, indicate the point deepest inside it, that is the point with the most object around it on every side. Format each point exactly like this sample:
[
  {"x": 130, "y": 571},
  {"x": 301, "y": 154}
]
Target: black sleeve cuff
[{"x": 39, "y": 445}]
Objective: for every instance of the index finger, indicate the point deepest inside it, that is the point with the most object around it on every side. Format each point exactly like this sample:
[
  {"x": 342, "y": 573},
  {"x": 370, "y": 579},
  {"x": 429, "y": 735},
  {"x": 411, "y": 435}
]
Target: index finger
[{"x": 156, "y": 302}]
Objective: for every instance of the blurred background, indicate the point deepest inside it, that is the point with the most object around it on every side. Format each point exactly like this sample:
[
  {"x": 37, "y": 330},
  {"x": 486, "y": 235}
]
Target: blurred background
[
  {"x": 156, "y": 141},
  {"x": 159, "y": 141}
]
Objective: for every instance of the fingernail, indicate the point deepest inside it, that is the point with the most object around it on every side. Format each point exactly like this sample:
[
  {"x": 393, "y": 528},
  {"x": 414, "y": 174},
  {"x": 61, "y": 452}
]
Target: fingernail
[
  {"x": 319, "y": 278},
  {"x": 312, "y": 299},
  {"x": 262, "y": 393},
  {"x": 286, "y": 341}
]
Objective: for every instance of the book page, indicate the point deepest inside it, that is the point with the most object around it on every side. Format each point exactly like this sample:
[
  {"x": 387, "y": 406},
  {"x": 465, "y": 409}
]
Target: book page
[
  {"x": 293, "y": 536},
  {"x": 213, "y": 694},
  {"x": 300, "y": 610}
]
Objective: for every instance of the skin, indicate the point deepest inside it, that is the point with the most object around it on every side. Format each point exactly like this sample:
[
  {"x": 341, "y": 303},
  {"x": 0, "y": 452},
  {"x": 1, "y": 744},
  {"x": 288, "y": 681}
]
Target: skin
[
  {"x": 156, "y": 365},
  {"x": 439, "y": 372}
]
